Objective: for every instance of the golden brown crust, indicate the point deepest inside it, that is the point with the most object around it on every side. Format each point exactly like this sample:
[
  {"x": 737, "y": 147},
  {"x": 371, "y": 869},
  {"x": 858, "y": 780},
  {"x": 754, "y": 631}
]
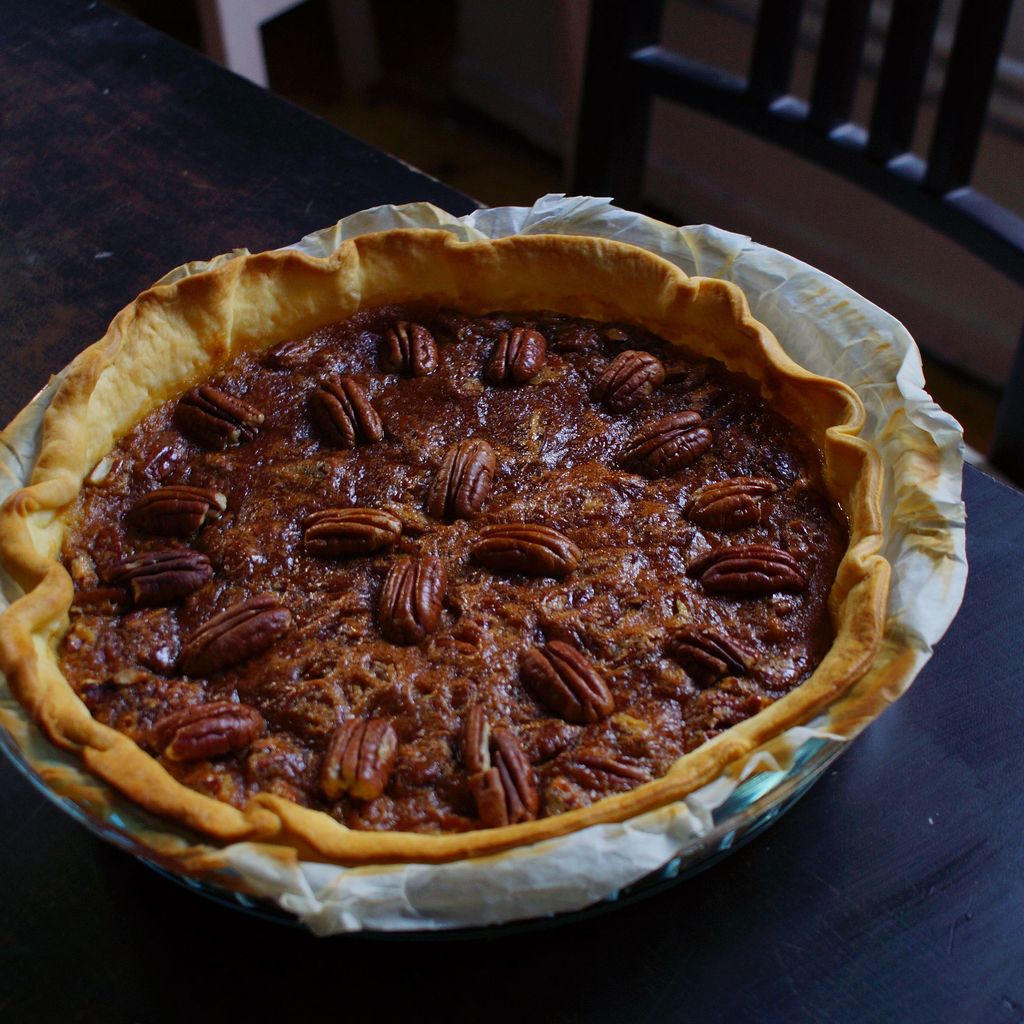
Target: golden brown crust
[{"x": 178, "y": 333}]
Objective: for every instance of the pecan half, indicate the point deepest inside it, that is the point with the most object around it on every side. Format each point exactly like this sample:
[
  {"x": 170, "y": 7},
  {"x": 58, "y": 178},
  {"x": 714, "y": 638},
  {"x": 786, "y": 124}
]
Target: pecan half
[
  {"x": 336, "y": 532},
  {"x": 526, "y": 548},
  {"x": 708, "y": 655},
  {"x": 747, "y": 569},
  {"x": 518, "y": 357},
  {"x": 476, "y": 740},
  {"x": 359, "y": 759},
  {"x": 630, "y": 378},
  {"x": 729, "y": 504},
  {"x": 409, "y": 349},
  {"x": 669, "y": 444},
  {"x": 162, "y": 577},
  {"x": 563, "y": 678},
  {"x": 289, "y": 354},
  {"x": 101, "y": 601},
  {"x": 611, "y": 766},
  {"x": 343, "y": 414},
  {"x": 410, "y": 603},
  {"x": 177, "y": 510},
  {"x": 235, "y": 635},
  {"x": 501, "y": 780},
  {"x": 464, "y": 480},
  {"x": 215, "y": 419},
  {"x": 207, "y": 730}
]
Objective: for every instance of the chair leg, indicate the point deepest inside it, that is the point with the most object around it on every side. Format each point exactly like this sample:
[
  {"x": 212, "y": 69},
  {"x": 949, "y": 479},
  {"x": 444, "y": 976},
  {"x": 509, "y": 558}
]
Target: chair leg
[
  {"x": 1007, "y": 453},
  {"x": 231, "y": 33},
  {"x": 611, "y": 149}
]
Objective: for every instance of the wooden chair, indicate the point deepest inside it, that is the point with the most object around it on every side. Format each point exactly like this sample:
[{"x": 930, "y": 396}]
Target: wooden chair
[{"x": 627, "y": 69}]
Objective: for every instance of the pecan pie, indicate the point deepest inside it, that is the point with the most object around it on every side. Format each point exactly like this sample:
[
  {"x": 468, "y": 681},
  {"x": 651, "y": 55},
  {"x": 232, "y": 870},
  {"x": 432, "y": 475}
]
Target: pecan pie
[{"x": 433, "y": 548}]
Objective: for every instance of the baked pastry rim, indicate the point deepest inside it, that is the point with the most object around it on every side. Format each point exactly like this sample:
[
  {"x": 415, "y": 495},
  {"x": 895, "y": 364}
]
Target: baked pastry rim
[{"x": 256, "y": 300}]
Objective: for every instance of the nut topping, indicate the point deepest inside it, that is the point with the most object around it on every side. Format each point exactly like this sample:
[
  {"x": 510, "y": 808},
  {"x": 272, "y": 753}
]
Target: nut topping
[
  {"x": 289, "y": 354},
  {"x": 162, "y": 577},
  {"x": 518, "y": 357},
  {"x": 464, "y": 480},
  {"x": 501, "y": 778},
  {"x": 203, "y": 731},
  {"x": 215, "y": 419},
  {"x": 235, "y": 635},
  {"x": 669, "y": 444},
  {"x": 708, "y": 655},
  {"x": 336, "y": 532},
  {"x": 576, "y": 338},
  {"x": 410, "y": 603},
  {"x": 630, "y": 378},
  {"x": 611, "y": 766},
  {"x": 563, "y": 678},
  {"x": 526, "y": 548},
  {"x": 409, "y": 349},
  {"x": 130, "y": 677},
  {"x": 719, "y": 708},
  {"x": 101, "y": 601},
  {"x": 476, "y": 741},
  {"x": 100, "y": 473},
  {"x": 359, "y": 759},
  {"x": 729, "y": 504},
  {"x": 177, "y": 510},
  {"x": 747, "y": 569},
  {"x": 343, "y": 414}
]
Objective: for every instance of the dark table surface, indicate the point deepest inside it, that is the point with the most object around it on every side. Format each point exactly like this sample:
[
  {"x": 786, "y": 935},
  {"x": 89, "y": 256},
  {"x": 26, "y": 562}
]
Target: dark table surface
[{"x": 894, "y": 891}]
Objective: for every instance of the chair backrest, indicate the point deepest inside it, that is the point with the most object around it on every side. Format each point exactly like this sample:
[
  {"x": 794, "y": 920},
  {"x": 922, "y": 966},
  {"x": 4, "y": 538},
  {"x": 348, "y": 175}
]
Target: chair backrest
[{"x": 627, "y": 69}]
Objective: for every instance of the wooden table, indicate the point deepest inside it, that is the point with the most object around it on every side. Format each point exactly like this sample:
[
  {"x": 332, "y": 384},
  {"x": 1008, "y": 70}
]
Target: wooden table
[{"x": 894, "y": 891}]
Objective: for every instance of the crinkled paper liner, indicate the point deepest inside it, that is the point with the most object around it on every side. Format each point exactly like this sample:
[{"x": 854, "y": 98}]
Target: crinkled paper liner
[{"x": 824, "y": 326}]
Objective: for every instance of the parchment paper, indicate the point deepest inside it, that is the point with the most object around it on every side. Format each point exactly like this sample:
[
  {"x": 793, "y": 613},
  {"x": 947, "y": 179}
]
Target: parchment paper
[{"x": 824, "y": 326}]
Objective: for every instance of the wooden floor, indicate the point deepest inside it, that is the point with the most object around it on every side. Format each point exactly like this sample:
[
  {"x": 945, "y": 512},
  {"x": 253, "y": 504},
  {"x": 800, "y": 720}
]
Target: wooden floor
[{"x": 412, "y": 114}]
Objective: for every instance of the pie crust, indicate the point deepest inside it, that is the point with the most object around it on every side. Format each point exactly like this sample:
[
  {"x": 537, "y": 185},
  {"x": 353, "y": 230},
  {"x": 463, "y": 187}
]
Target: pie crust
[{"x": 174, "y": 336}]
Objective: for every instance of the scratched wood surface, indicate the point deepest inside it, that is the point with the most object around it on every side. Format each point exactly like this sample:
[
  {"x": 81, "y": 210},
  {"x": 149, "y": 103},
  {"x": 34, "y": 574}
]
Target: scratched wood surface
[
  {"x": 894, "y": 891},
  {"x": 123, "y": 155}
]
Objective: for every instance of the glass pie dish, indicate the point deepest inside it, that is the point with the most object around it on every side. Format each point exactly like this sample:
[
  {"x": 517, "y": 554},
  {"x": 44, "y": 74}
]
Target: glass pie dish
[{"x": 849, "y": 340}]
